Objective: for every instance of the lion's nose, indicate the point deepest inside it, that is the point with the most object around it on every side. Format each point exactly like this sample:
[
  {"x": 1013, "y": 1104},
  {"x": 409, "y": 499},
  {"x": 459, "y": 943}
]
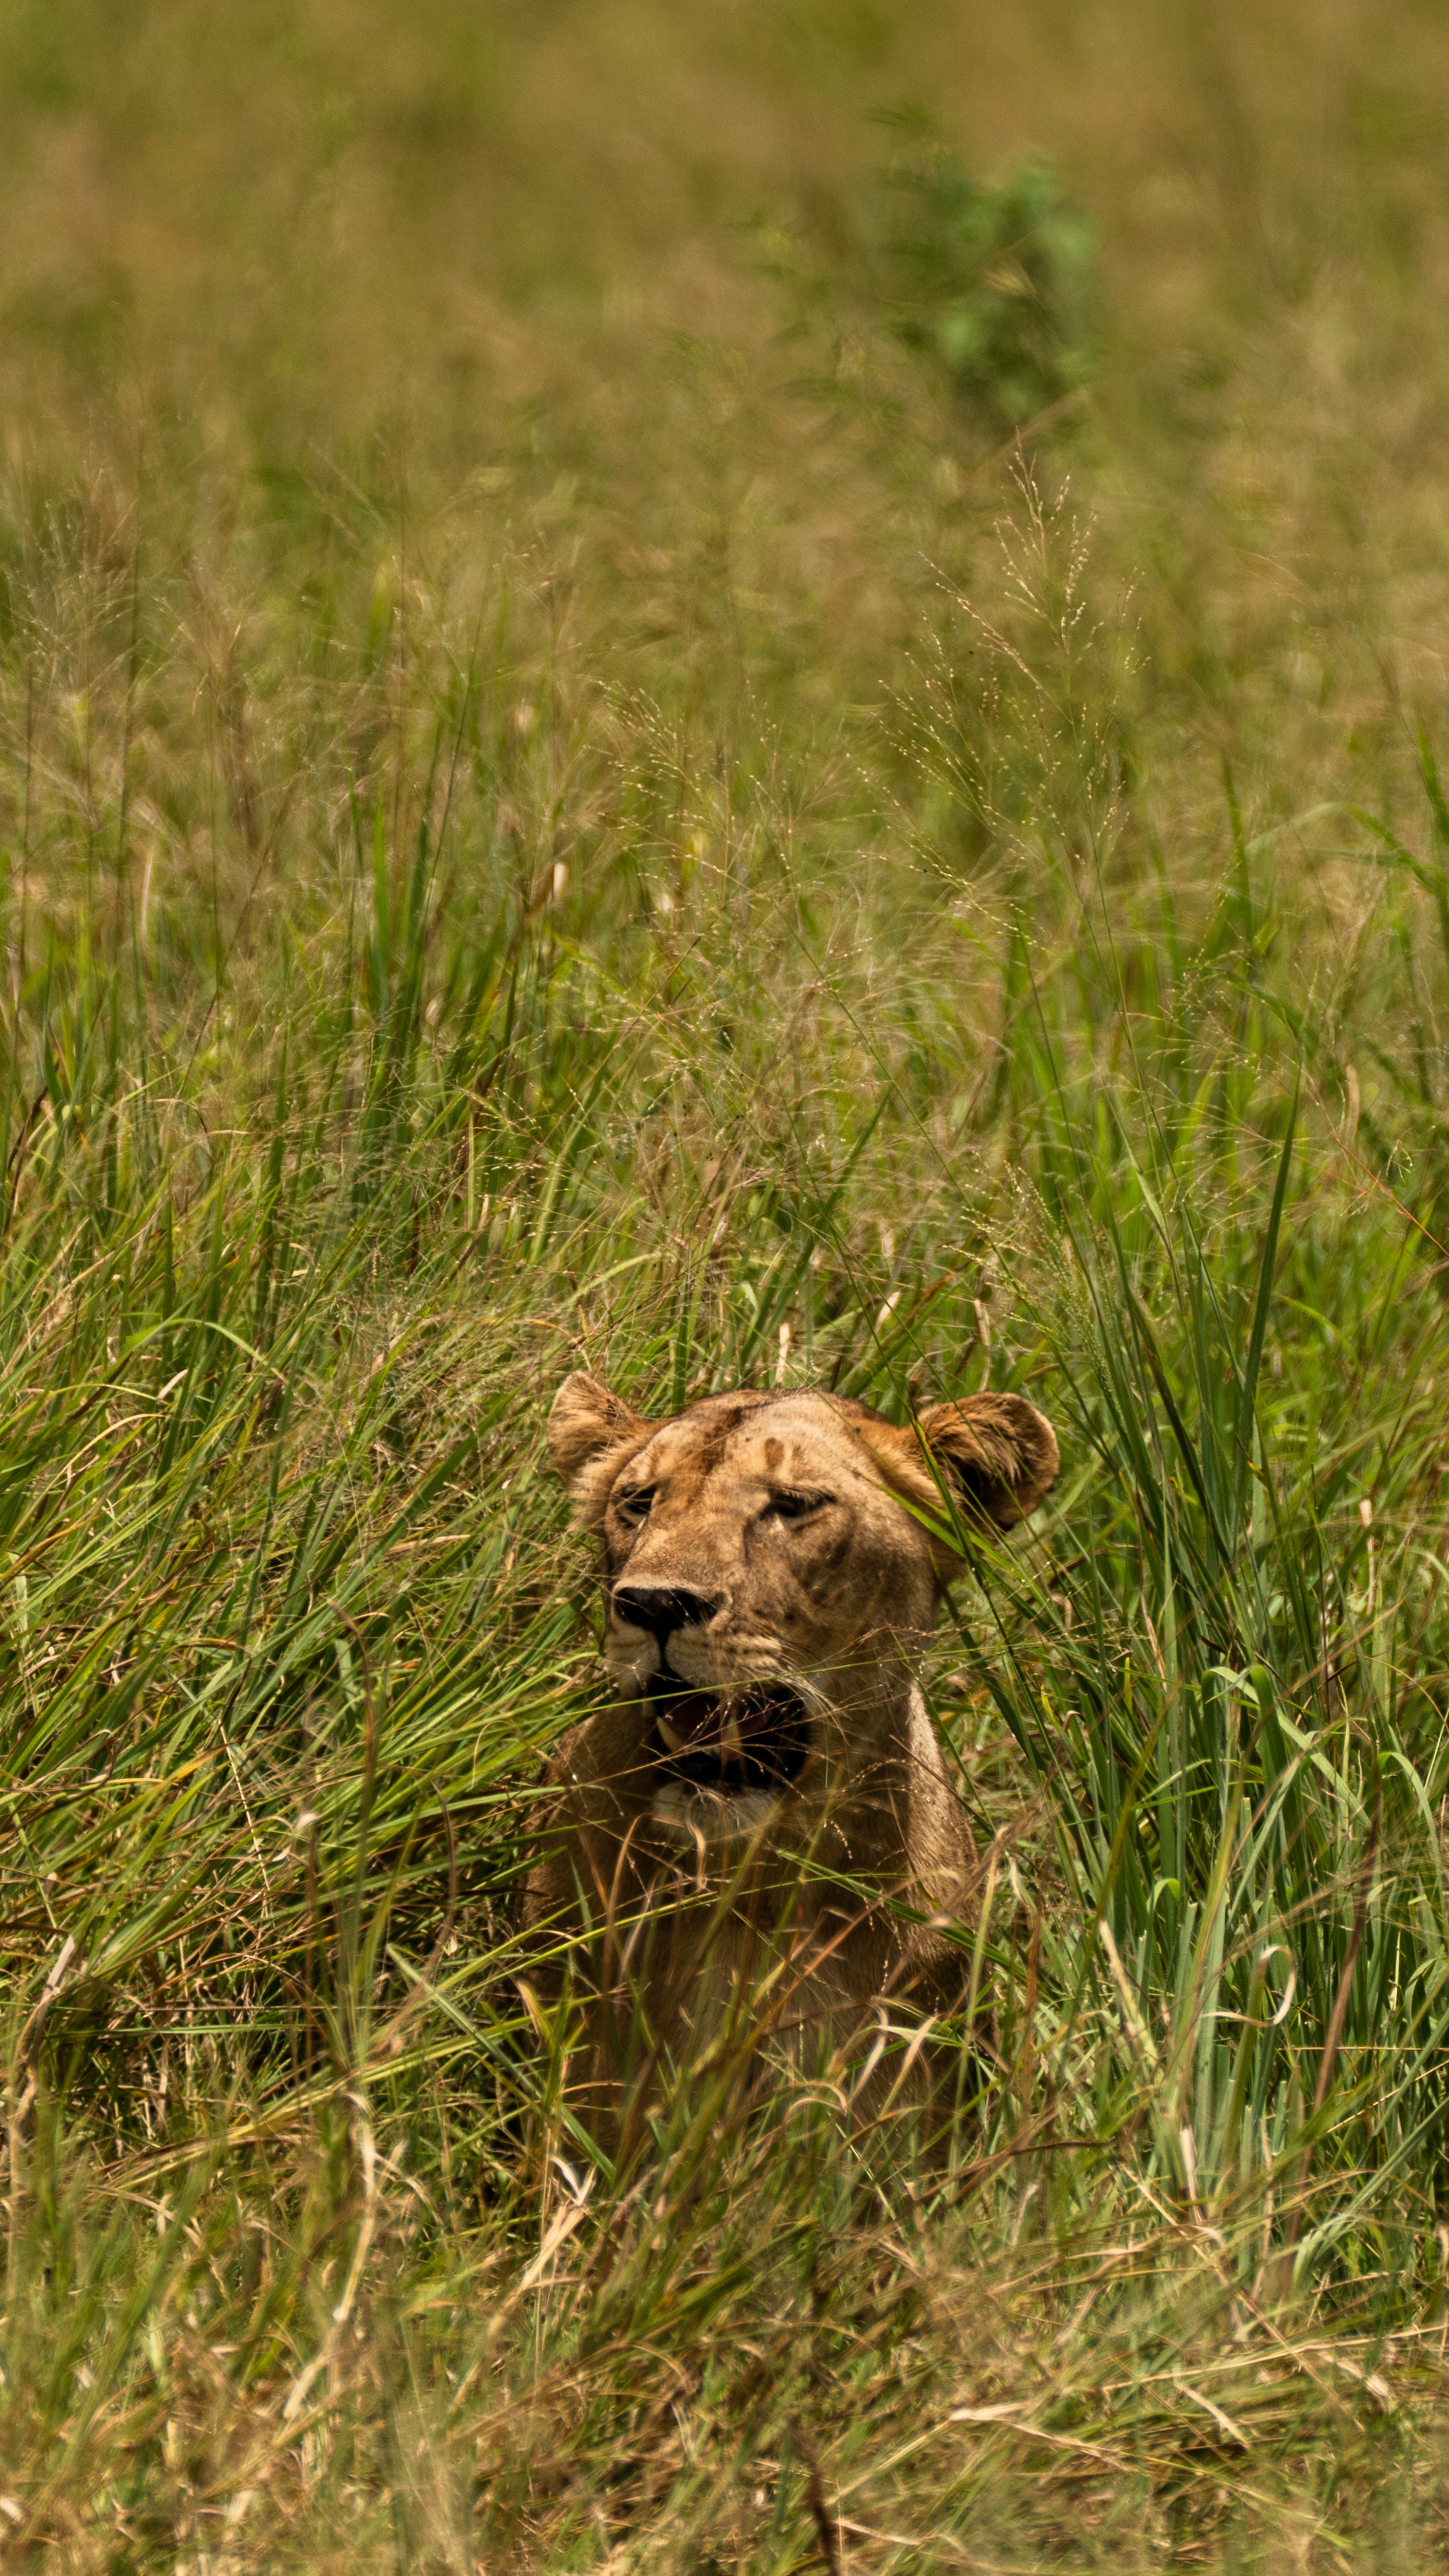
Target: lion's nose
[{"x": 661, "y": 1608}]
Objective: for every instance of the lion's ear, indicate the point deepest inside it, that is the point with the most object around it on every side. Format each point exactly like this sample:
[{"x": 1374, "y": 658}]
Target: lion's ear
[
  {"x": 1001, "y": 1453},
  {"x": 591, "y": 1431}
]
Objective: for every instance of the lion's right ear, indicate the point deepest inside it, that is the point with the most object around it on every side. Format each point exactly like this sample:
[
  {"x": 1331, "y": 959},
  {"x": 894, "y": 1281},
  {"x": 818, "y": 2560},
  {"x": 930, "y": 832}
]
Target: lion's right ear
[{"x": 591, "y": 1431}]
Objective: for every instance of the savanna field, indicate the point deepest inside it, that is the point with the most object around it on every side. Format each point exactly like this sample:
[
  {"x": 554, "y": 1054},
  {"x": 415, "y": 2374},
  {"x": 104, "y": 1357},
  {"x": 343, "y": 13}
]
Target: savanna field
[{"x": 750, "y": 695}]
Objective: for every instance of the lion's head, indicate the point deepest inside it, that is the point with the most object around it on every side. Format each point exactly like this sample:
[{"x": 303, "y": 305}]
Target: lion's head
[{"x": 772, "y": 1566}]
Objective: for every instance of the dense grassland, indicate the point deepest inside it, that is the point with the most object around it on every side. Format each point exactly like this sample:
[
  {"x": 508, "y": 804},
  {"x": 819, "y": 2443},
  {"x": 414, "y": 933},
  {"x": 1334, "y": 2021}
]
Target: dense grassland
[{"x": 567, "y": 795}]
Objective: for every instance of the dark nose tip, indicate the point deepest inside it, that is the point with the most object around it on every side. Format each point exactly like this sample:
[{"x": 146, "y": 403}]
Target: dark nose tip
[{"x": 660, "y": 1608}]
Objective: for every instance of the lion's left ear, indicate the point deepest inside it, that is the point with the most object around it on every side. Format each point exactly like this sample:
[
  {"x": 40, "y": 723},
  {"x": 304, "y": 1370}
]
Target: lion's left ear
[
  {"x": 591, "y": 1431},
  {"x": 1001, "y": 1453}
]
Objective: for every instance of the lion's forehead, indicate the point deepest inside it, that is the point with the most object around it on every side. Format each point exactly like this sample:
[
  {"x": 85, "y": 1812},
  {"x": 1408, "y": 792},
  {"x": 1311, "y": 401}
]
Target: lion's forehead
[{"x": 794, "y": 1435}]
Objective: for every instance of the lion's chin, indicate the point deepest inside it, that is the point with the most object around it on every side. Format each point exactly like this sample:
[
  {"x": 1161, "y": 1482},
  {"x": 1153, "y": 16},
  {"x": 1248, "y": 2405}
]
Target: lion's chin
[{"x": 690, "y": 1814}]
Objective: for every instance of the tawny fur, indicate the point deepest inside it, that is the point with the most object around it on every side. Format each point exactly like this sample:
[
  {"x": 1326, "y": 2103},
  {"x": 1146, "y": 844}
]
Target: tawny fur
[{"x": 793, "y": 1528}]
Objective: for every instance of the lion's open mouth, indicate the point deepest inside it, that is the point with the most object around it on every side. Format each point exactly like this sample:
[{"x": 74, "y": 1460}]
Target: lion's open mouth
[{"x": 753, "y": 1737}]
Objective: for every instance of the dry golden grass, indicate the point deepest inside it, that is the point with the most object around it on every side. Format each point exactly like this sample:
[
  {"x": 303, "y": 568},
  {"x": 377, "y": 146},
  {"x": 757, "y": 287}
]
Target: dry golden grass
[{"x": 561, "y": 797}]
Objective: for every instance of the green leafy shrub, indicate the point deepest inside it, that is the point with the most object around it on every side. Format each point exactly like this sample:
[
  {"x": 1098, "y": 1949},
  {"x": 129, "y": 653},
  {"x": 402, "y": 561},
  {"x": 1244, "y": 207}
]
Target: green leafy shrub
[{"x": 992, "y": 279}]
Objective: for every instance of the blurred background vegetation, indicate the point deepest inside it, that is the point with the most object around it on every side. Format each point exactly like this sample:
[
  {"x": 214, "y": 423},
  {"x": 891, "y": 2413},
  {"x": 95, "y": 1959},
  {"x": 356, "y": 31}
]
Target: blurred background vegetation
[
  {"x": 508, "y": 276},
  {"x": 743, "y": 693}
]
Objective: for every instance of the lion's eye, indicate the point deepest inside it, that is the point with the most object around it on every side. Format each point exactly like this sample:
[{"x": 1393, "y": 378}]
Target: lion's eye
[
  {"x": 635, "y": 1506},
  {"x": 795, "y": 1507}
]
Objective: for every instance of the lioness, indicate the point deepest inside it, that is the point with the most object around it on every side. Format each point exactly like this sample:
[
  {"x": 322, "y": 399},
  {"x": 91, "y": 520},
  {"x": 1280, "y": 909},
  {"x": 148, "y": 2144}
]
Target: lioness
[{"x": 769, "y": 1584}]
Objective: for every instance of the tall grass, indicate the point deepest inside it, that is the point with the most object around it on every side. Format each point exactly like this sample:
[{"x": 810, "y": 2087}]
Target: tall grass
[{"x": 565, "y": 809}]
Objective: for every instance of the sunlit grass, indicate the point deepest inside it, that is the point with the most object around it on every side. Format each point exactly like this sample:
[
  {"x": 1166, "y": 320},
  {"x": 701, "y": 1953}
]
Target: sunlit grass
[{"x": 559, "y": 805}]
